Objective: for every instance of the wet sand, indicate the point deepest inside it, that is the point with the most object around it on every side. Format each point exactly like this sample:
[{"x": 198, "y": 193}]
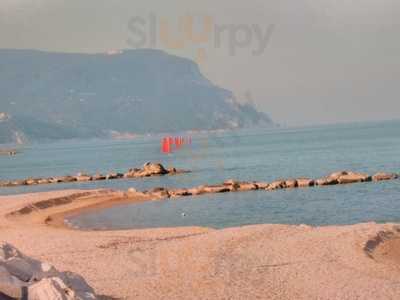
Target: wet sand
[{"x": 252, "y": 262}]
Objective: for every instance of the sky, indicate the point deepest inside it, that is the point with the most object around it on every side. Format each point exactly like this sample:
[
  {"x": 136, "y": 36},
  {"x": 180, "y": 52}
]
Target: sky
[{"x": 303, "y": 62}]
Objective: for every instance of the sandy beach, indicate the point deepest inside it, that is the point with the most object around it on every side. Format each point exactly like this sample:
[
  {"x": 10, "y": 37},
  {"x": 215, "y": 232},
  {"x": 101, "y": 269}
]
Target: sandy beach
[{"x": 254, "y": 262}]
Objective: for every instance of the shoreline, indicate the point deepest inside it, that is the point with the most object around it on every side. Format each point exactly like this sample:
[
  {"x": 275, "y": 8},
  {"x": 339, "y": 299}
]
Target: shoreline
[
  {"x": 256, "y": 261},
  {"x": 54, "y": 211}
]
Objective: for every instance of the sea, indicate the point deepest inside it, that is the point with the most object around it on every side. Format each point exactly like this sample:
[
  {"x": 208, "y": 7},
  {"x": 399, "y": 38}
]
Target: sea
[{"x": 248, "y": 155}]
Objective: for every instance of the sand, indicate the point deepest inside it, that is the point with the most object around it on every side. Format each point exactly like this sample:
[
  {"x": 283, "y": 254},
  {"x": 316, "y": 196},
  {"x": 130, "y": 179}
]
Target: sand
[{"x": 253, "y": 262}]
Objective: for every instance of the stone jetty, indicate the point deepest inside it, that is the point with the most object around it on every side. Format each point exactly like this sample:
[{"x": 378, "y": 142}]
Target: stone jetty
[
  {"x": 337, "y": 178},
  {"x": 22, "y": 277},
  {"x": 148, "y": 170}
]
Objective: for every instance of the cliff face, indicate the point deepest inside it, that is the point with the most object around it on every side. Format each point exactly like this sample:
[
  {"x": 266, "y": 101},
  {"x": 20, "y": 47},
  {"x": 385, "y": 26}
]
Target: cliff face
[{"x": 140, "y": 91}]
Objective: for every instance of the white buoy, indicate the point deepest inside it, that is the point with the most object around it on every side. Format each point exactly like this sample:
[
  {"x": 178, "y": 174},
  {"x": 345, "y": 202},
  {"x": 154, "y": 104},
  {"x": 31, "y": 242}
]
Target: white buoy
[{"x": 183, "y": 215}]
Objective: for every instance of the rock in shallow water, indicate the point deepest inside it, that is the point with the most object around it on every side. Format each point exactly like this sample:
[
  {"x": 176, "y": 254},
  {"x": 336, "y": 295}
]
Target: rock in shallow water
[
  {"x": 384, "y": 176},
  {"x": 326, "y": 181},
  {"x": 291, "y": 184},
  {"x": 277, "y": 185},
  {"x": 214, "y": 189},
  {"x": 353, "y": 178},
  {"x": 154, "y": 169},
  {"x": 179, "y": 193},
  {"x": 305, "y": 182}
]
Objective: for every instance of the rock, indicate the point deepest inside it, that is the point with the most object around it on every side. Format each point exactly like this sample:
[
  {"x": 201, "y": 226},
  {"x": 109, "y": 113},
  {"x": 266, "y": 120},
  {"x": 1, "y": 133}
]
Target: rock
[
  {"x": 172, "y": 170},
  {"x": 129, "y": 175},
  {"x": 232, "y": 184},
  {"x": 197, "y": 191},
  {"x": 98, "y": 177},
  {"x": 112, "y": 176},
  {"x": 135, "y": 173},
  {"x": 10, "y": 285},
  {"x": 305, "y": 182},
  {"x": 19, "y": 268},
  {"x": 17, "y": 182},
  {"x": 21, "y": 276},
  {"x": 23, "y": 267},
  {"x": 63, "y": 179},
  {"x": 7, "y": 251},
  {"x": 83, "y": 177},
  {"x": 326, "y": 181},
  {"x": 276, "y": 185},
  {"x": 54, "y": 180},
  {"x": 31, "y": 181},
  {"x": 291, "y": 183},
  {"x": 179, "y": 193},
  {"x": 50, "y": 288},
  {"x": 213, "y": 189},
  {"x": 77, "y": 283},
  {"x": 4, "y": 183},
  {"x": 354, "y": 178},
  {"x": 247, "y": 186},
  {"x": 144, "y": 174},
  {"x": 331, "y": 179},
  {"x": 159, "y": 192},
  {"x": 43, "y": 270},
  {"x": 154, "y": 169},
  {"x": 43, "y": 181},
  {"x": 262, "y": 185},
  {"x": 384, "y": 176},
  {"x": 336, "y": 175}
]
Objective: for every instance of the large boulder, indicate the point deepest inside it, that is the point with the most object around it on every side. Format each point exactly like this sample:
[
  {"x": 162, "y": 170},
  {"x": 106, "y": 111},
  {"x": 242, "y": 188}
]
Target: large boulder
[
  {"x": 10, "y": 285},
  {"x": 24, "y": 277},
  {"x": 50, "y": 288}
]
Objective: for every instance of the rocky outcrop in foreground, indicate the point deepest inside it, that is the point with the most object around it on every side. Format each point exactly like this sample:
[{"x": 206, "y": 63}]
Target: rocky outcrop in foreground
[
  {"x": 22, "y": 277},
  {"x": 148, "y": 170},
  {"x": 343, "y": 177}
]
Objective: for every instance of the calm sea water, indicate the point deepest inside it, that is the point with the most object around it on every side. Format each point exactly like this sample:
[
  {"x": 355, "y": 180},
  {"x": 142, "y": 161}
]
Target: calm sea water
[{"x": 243, "y": 155}]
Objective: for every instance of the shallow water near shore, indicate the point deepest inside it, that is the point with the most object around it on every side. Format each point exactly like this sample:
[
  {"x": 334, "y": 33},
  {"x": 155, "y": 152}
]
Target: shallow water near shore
[
  {"x": 335, "y": 205},
  {"x": 262, "y": 155}
]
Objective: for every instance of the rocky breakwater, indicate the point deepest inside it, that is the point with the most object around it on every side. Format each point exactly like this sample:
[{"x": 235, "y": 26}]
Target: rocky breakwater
[
  {"x": 22, "y": 277},
  {"x": 148, "y": 170},
  {"x": 337, "y": 178}
]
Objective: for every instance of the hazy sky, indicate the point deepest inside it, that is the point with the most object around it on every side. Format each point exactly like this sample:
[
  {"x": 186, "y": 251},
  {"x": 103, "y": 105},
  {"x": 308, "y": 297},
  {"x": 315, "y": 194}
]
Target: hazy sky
[{"x": 325, "y": 61}]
